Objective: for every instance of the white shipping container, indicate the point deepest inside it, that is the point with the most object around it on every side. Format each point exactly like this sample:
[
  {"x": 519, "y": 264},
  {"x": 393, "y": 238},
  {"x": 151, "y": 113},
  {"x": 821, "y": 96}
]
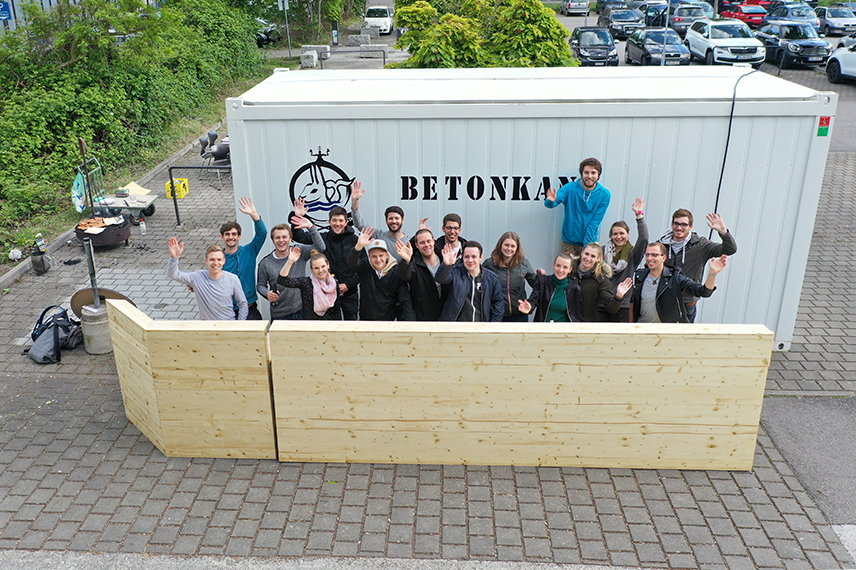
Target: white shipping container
[{"x": 487, "y": 143}]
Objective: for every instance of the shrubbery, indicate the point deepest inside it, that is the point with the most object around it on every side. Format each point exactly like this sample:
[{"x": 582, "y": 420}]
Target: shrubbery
[
  {"x": 117, "y": 73},
  {"x": 481, "y": 33}
]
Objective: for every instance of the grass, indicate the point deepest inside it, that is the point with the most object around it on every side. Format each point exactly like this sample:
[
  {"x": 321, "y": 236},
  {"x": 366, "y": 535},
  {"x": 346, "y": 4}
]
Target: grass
[{"x": 185, "y": 131}]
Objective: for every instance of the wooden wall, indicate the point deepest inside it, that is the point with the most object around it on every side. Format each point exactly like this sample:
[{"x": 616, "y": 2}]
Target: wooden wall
[
  {"x": 596, "y": 395},
  {"x": 195, "y": 388}
]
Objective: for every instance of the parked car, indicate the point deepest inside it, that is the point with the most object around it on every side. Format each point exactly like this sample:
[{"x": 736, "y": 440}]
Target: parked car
[
  {"x": 682, "y": 17},
  {"x": 724, "y": 41},
  {"x": 851, "y": 5},
  {"x": 602, "y": 5},
  {"x": 842, "y": 64},
  {"x": 654, "y": 13},
  {"x": 621, "y": 22},
  {"x": 763, "y": 3},
  {"x": 266, "y": 33},
  {"x": 380, "y": 17},
  {"x": 727, "y": 5},
  {"x": 708, "y": 9},
  {"x": 594, "y": 46},
  {"x": 790, "y": 43},
  {"x": 836, "y": 20},
  {"x": 847, "y": 41},
  {"x": 569, "y": 7},
  {"x": 646, "y": 47},
  {"x": 748, "y": 13},
  {"x": 794, "y": 13}
]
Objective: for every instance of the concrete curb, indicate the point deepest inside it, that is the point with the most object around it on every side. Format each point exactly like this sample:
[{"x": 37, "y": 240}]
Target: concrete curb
[{"x": 19, "y": 270}]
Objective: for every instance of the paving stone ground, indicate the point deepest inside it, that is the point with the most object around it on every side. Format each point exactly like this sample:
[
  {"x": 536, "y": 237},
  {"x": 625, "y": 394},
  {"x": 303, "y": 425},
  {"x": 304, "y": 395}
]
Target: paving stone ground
[{"x": 77, "y": 476}]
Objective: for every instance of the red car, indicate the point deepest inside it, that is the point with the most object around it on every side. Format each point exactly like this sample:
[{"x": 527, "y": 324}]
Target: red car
[
  {"x": 762, "y": 3},
  {"x": 748, "y": 13}
]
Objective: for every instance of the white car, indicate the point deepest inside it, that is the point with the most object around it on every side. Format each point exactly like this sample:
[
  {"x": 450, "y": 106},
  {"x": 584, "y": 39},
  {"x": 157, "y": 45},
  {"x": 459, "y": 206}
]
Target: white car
[
  {"x": 841, "y": 64},
  {"x": 380, "y": 17},
  {"x": 724, "y": 41},
  {"x": 569, "y": 7}
]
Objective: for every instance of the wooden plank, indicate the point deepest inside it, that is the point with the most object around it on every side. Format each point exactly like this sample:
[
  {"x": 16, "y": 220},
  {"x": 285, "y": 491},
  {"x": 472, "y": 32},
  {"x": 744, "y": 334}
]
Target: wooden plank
[
  {"x": 667, "y": 396},
  {"x": 213, "y": 388},
  {"x": 128, "y": 333}
]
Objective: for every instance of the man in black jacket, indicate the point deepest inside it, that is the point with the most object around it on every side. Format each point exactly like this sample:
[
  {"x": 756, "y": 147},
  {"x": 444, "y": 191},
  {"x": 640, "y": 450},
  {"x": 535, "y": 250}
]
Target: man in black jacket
[
  {"x": 659, "y": 290},
  {"x": 340, "y": 241},
  {"x": 419, "y": 270},
  {"x": 380, "y": 287},
  {"x": 689, "y": 252}
]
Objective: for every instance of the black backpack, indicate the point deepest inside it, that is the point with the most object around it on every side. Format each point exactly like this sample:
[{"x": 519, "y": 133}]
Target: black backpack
[{"x": 53, "y": 333}]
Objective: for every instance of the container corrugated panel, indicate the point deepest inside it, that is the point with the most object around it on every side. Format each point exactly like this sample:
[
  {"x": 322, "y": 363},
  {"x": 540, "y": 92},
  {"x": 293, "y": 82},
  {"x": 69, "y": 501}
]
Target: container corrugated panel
[{"x": 487, "y": 143}]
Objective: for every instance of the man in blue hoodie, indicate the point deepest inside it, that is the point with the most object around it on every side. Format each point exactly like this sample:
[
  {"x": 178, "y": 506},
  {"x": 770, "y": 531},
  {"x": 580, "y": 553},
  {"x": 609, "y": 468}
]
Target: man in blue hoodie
[
  {"x": 241, "y": 260},
  {"x": 585, "y": 202}
]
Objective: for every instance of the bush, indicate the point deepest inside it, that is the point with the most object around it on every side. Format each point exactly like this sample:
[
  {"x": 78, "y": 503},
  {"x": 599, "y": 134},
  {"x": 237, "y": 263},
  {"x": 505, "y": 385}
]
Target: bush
[{"x": 116, "y": 73}]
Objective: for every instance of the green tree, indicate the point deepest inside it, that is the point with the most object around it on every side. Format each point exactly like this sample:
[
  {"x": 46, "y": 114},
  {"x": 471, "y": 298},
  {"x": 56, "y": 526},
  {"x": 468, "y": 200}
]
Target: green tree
[{"x": 474, "y": 33}]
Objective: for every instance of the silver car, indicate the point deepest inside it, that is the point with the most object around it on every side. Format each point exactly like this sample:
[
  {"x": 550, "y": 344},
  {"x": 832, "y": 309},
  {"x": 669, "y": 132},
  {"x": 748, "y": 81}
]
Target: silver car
[
  {"x": 836, "y": 20},
  {"x": 847, "y": 41},
  {"x": 569, "y": 7},
  {"x": 682, "y": 16}
]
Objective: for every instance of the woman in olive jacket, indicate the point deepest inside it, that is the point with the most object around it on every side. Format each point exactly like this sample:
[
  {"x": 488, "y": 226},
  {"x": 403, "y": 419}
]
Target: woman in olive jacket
[{"x": 514, "y": 272}]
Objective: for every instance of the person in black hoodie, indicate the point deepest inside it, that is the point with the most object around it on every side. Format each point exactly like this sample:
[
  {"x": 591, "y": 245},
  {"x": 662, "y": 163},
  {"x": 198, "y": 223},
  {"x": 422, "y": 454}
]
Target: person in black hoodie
[
  {"x": 340, "y": 241},
  {"x": 419, "y": 270},
  {"x": 381, "y": 289}
]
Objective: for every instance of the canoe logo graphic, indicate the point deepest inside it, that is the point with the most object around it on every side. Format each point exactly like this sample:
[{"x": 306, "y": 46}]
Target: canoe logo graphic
[{"x": 323, "y": 186}]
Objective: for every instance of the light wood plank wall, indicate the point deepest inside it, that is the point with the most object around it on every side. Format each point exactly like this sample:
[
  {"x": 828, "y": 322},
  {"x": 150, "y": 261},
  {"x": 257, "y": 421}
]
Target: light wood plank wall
[
  {"x": 592, "y": 395},
  {"x": 195, "y": 388}
]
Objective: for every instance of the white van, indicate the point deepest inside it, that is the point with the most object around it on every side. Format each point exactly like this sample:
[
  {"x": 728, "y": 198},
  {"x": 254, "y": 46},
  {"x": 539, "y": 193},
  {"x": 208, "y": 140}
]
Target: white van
[{"x": 380, "y": 17}]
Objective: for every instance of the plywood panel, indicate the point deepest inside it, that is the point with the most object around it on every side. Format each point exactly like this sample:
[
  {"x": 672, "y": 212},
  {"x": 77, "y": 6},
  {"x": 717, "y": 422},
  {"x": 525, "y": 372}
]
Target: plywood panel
[
  {"x": 575, "y": 395},
  {"x": 213, "y": 388},
  {"x": 128, "y": 330}
]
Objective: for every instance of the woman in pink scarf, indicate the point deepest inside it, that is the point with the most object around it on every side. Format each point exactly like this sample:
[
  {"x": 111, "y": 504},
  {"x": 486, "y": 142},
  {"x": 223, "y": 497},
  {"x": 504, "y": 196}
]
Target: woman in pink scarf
[{"x": 319, "y": 292}]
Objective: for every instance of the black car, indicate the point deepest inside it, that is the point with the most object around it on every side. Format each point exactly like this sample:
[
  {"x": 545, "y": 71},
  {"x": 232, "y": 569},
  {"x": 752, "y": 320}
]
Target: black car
[
  {"x": 594, "y": 46},
  {"x": 790, "y": 43},
  {"x": 646, "y": 47},
  {"x": 621, "y": 22},
  {"x": 602, "y": 5}
]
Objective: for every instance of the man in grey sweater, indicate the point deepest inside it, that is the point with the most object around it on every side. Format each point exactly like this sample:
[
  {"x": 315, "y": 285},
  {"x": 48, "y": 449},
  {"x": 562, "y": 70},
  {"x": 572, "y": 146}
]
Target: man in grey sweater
[
  {"x": 217, "y": 291},
  {"x": 393, "y": 216},
  {"x": 285, "y": 303}
]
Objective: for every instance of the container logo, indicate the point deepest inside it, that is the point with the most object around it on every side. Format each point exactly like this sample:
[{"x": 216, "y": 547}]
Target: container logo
[{"x": 323, "y": 186}]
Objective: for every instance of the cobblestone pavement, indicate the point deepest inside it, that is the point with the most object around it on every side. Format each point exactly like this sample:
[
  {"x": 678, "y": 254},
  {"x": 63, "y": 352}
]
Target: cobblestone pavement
[{"x": 76, "y": 476}]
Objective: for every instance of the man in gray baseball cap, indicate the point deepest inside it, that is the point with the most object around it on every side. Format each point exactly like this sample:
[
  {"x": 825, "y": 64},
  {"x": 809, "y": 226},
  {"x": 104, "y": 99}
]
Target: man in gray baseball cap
[{"x": 380, "y": 287}]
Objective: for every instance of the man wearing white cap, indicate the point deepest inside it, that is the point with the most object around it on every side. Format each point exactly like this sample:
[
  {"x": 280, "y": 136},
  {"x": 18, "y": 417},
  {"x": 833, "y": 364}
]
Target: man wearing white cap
[{"x": 380, "y": 288}]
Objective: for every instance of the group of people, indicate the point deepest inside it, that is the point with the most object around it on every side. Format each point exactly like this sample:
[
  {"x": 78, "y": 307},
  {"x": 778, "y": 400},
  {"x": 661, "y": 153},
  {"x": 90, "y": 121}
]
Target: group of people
[{"x": 385, "y": 275}]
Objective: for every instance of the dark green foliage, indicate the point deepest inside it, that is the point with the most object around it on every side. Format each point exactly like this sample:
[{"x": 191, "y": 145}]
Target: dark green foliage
[{"x": 117, "y": 74}]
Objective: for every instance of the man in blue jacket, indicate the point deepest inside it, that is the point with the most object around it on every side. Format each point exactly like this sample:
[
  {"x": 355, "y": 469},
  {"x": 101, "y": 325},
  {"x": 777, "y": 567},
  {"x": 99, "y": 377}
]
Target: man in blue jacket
[
  {"x": 585, "y": 202},
  {"x": 241, "y": 260},
  {"x": 475, "y": 294}
]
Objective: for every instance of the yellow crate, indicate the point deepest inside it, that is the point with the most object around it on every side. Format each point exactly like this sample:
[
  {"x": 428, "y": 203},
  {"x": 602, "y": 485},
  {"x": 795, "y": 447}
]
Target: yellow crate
[{"x": 181, "y": 184}]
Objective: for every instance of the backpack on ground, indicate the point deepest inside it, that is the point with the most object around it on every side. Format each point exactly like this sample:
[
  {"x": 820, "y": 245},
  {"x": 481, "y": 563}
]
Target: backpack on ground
[{"x": 53, "y": 333}]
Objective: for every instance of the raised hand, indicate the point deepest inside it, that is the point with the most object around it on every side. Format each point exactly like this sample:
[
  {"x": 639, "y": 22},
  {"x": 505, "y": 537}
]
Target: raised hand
[
  {"x": 638, "y": 205},
  {"x": 248, "y": 208},
  {"x": 175, "y": 248},
  {"x": 450, "y": 256},
  {"x": 404, "y": 250},
  {"x": 714, "y": 221},
  {"x": 356, "y": 190},
  {"x": 624, "y": 287},
  {"x": 300, "y": 208},
  {"x": 364, "y": 238},
  {"x": 301, "y": 222},
  {"x": 422, "y": 225},
  {"x": 717, "y": 264},
  {"x": 524, "y": 306},
  {"x": 551, "y": 194},
  {"x": 294, "y": 254}
]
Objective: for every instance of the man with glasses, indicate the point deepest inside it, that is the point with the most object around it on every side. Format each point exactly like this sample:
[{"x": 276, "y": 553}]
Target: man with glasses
[
  {"x": 451, "y": 236},
  {"x": 659, "y": 290},
  {"x": 689, "y": 252}
]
